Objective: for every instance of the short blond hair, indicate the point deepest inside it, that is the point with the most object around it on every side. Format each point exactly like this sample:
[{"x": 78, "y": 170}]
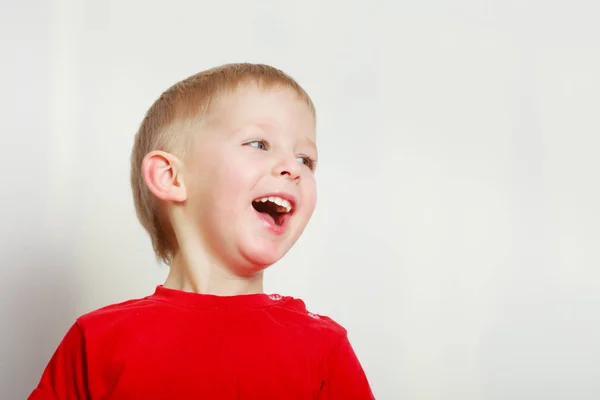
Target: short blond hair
[{"x": 163, "y": 128}]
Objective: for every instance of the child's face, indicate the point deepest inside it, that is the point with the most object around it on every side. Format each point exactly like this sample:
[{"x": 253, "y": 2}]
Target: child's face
[{"x": 257, "y": 144}]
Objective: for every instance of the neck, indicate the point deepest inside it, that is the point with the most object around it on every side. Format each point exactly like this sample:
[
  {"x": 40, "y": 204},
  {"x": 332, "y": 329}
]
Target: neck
[
  {"x": 195, "y": 269},
  {"x": 201, "y": 275}
]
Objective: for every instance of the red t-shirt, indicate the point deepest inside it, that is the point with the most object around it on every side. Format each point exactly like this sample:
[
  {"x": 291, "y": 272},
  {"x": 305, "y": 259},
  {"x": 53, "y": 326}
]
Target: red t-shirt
[{"x": 179, "y": 345}]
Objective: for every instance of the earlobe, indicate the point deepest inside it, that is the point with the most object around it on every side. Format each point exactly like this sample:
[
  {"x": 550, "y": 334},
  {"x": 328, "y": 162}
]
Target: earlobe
[{"x": 162, "y": 175}]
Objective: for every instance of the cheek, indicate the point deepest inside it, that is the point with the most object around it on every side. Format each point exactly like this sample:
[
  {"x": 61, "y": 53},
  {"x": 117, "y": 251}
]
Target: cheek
[
  {"x": 231, "y": 186},
  {"x": 310, "y": 194}
]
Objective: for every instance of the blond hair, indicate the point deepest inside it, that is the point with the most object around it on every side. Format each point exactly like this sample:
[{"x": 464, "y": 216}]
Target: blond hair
[{"x": 164, "y": 128}]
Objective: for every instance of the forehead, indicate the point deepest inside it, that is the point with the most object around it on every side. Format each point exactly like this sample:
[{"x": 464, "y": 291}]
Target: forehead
[{"x": 279, "y": 107}]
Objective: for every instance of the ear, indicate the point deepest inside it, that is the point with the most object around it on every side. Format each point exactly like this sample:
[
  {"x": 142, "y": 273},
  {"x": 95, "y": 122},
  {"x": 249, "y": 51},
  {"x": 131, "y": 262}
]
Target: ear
[{"x": 162, "y": 173}]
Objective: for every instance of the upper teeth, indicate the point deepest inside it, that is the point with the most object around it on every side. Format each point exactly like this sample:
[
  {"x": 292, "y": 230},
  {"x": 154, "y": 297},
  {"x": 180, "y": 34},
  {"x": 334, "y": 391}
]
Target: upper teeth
[{"x": 277, "y": 200}]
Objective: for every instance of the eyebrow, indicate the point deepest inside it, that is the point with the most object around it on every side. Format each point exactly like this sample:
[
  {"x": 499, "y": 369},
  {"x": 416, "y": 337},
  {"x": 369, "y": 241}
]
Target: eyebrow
[
  {"x": 268, "y": 127},
  {"x": 312, "y": 144}
]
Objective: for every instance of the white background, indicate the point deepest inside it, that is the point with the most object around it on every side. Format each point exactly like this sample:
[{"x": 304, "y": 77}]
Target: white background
[{"x": 457, "y": 232}]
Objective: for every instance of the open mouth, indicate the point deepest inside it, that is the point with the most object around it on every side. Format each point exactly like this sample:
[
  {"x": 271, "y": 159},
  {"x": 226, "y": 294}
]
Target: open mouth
[{"x": 273, "y": 208}]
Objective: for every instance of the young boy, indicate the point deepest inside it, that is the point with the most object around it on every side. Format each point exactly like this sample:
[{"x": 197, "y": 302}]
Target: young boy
[{"x": 223, "y": 181}]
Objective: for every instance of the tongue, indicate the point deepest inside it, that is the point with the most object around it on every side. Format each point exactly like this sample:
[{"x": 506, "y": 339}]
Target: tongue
[{"x": 268, "y": 217}]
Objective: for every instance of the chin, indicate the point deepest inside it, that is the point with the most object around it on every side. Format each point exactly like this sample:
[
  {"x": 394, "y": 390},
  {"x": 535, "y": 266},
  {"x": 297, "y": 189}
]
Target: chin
[
  {"x": 261, "y": 258},
  {"x": 262, "y": 261}
]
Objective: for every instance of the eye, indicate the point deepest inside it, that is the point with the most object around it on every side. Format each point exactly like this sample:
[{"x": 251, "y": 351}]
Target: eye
[
  {"x": 259, "y": 144},
  {"x": 308, "y": 161}
]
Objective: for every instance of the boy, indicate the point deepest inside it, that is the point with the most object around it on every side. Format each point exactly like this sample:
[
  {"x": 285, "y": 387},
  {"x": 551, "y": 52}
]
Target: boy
[{"x": 222, "y": 176}]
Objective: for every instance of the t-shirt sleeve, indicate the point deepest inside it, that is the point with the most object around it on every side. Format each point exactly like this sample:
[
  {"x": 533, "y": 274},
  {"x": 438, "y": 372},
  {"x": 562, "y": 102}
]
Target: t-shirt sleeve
[
  {"x": 345, "y": 378},
  {"x": 64, "y": 376}
]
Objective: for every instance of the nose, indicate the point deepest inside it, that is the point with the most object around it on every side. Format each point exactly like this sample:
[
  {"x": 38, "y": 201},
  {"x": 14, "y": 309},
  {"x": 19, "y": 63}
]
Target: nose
[{"x": 288, "y": 167}]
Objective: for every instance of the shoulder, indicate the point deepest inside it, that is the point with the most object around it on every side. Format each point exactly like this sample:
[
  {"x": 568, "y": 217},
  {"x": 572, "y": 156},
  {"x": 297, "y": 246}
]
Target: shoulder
[
  {"x": 318, "y": 336},
  {"x": 293, "y": 311},
  {"x": 112, "y": 316}
]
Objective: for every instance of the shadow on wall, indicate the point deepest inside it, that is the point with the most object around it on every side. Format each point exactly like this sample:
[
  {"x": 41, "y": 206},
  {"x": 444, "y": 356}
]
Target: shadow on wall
[{"x": 37, "y": 308}]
